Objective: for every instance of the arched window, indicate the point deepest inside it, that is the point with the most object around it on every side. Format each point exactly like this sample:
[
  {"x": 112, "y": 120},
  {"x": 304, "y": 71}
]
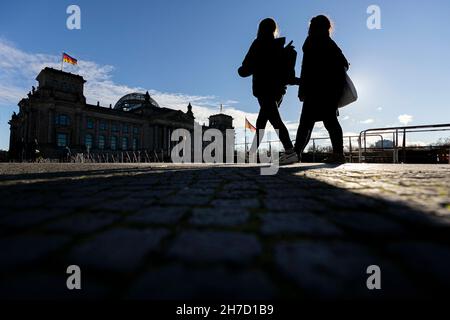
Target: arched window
[
  {"x": 113, "y": 143},
  {"x": 88, "y": 140},
  {"x": 61, "y": 139},
  {"x": 103, "y": 125},
  {"x": 90, "y": 123},
  {"x": 62, "y": 120},
  {"x": 124, "y": 143},
  {"x": 101, "y": 142}
]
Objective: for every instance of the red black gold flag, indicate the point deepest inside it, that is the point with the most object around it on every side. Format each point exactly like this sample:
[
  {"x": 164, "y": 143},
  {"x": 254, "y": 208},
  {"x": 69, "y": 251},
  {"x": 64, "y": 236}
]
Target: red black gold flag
[
  {"x": 69, "y": 59},
  {"x": 248, "y": 125}
]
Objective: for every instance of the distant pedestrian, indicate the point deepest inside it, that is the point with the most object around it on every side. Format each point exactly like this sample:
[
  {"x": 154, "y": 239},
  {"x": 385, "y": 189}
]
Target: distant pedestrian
[
  {"x": 35, "y": 152},
  {"x": 67, "y": 154}
]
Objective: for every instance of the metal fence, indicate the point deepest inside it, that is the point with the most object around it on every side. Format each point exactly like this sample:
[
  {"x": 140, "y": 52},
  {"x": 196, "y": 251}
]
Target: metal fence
[
  {"x": 397, "y": 133},
  {"x": 140, "y": 156},
  {"x": 351, "y": 152},
  {"x": 356, "y": 147}
]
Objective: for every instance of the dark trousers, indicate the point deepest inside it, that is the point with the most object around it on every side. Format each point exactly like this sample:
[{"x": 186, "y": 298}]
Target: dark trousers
[
  {"x": 269, "y": 112},
  {"x": 306, "y": 127}
]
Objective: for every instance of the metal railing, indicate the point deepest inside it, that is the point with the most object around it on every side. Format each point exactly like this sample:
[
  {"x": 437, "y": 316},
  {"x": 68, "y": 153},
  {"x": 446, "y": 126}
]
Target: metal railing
[
  {"x": 350, "y": 154},
  {"x": 395, "y": 132},
  {"x": 139, "y": 156},
  {"x": 360, "y": 153}
]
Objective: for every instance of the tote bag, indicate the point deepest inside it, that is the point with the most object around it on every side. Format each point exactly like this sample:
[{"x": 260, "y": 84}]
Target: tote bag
[{"x": 349, "y": 94}]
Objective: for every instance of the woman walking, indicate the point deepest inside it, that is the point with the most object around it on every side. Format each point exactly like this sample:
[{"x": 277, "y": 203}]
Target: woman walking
[
  {"x": 321, "y": 83},
  {"x": 264, "y": 61}
]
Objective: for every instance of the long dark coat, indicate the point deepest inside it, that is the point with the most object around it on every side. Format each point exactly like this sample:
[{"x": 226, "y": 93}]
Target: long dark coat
[
  {"x": 264, "y": 62},
  {"x": 322, "y": 77}
]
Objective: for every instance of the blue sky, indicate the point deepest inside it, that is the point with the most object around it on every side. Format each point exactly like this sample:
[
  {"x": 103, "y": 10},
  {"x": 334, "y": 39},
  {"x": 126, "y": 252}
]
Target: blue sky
[{"x": 190, "y": 50}]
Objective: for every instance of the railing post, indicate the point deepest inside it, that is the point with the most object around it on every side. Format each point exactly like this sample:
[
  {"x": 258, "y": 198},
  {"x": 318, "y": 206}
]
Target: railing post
[
  {"x": 396, "y": 147},
  {"x": 359, "y": 149},
  {"x": 404, "y": 145},
  {"x": 314, "y": 150},
  {"x": 365, "y": 145},
  {"x": 350, "y": 149}
]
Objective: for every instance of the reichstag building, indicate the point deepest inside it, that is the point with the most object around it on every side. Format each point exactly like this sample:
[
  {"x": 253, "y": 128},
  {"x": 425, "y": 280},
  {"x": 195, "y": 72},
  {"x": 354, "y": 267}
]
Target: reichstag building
[{"x": 55, "y": 117}]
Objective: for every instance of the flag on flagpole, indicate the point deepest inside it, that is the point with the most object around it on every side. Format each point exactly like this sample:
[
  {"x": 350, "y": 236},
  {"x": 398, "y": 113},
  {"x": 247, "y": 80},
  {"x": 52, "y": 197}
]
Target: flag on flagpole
[
  {"x": 69, "y": 59},
  {"x": 249, "y": 126}
]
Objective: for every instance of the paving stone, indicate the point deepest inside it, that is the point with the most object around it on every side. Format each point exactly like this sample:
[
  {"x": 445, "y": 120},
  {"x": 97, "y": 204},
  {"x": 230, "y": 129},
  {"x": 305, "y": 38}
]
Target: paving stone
[
  {"x": 27, "y": 249},
  {"x": 338, "y": 270},
  {"x": 158, "y": 215},
  {"x": 179, "y": 283},
  {"x": 237, "y": 194},
  {"x": 73, "y": 202},
  {"x": 236, "y": 203},
  {"x": 124, "y": 205},
  {"x": 219, "y": 216},
  {"x": 297, "y": 223},
  {"x": 367, "y": 223},
  {"x": 430, "y": 260},
  {"x": 30, "y": 218},
  {"x": 118, "y": 249},
  {"x": 49, "y": 287},
  {"x": 339, "y": 220},
  {"x": 212, "y": 246},
  {"x": 82, "y": 223},
  {"x": 32, "y": 201},
  {"x": 184, "y": 200},
  {"x": 291, "y": 204}
]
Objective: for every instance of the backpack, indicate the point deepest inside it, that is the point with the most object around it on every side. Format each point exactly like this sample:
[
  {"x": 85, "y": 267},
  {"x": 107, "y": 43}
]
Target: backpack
[{"x": 288, "y": 64}]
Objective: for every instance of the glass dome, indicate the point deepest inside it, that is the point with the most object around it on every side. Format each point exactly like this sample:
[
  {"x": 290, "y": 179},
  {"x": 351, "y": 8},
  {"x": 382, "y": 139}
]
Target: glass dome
[{"x": 134, "y": 101}]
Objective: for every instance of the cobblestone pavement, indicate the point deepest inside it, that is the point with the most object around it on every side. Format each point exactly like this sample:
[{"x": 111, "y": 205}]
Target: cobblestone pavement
[{"x": 167, "y": 231}]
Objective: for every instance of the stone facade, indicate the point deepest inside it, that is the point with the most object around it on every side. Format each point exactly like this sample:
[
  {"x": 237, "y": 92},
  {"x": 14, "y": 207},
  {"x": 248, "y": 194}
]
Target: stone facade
[{"x": 56, "y": 115}]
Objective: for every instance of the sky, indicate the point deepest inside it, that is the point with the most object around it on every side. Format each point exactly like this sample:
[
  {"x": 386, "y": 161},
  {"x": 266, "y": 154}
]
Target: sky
[{"x": 189, "y": 50}]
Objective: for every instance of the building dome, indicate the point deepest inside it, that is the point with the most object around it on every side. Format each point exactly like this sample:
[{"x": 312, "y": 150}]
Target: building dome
[{"x": 134, "y": 101}]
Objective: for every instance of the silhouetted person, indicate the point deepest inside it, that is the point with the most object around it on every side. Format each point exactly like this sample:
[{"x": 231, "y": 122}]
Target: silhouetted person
[
  {"x": 67, "y": 154},
  {"x": 264, "y": 61},
  {"x": 32, "y": 147},
  {"x": 321, "y": 83}
]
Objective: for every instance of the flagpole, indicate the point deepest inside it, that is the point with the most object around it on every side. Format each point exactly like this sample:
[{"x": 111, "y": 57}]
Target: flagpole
[
  {"x": 62, "y": 61},
  {"x": 245, "y": 140}
]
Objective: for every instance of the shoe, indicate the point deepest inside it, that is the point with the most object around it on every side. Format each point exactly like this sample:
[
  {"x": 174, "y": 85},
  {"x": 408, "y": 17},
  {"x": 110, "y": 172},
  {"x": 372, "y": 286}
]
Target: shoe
[
  {"x": 335, "y": 158},
  {"x": 289, "y": 157}
]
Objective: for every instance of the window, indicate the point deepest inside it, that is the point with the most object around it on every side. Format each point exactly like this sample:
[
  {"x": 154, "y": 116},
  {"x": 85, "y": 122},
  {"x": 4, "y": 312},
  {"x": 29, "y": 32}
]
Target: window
[
  {"x": 88, "y": 141},
  {"x": 103, "y": 125},
  {"x": 90, "y": 123},
  {"x": 125, "y": 128},
  {"x": 114, "y": 127},
  {"x": 113, "y": 143},
  {"x": 135, "y": 130},
  {"x": 124, "y": 143},
  {"x": 135, "y": 143},
  {"x": 101, "y": 142},
  {"x": 62, "y": 120},
  {"x": 61, "y": 139}
]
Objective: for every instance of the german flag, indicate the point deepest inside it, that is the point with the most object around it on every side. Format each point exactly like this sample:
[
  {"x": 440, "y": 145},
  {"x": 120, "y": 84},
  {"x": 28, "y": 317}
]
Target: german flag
[
  {"x": 69, "y": 59},
  {"x": 248, "y": 125}
]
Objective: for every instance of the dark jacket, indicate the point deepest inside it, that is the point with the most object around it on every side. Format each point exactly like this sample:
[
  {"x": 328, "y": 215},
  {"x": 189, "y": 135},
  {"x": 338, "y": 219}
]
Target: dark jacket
[
  {"x": 264, "y": 62},
  {"x": 323, "y": 74}
]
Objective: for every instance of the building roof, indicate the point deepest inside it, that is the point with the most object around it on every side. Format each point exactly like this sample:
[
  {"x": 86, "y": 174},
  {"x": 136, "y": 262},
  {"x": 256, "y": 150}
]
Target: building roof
[
  {"x": 59, "y": 72},
  {"x": 135, "y": 100}
]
